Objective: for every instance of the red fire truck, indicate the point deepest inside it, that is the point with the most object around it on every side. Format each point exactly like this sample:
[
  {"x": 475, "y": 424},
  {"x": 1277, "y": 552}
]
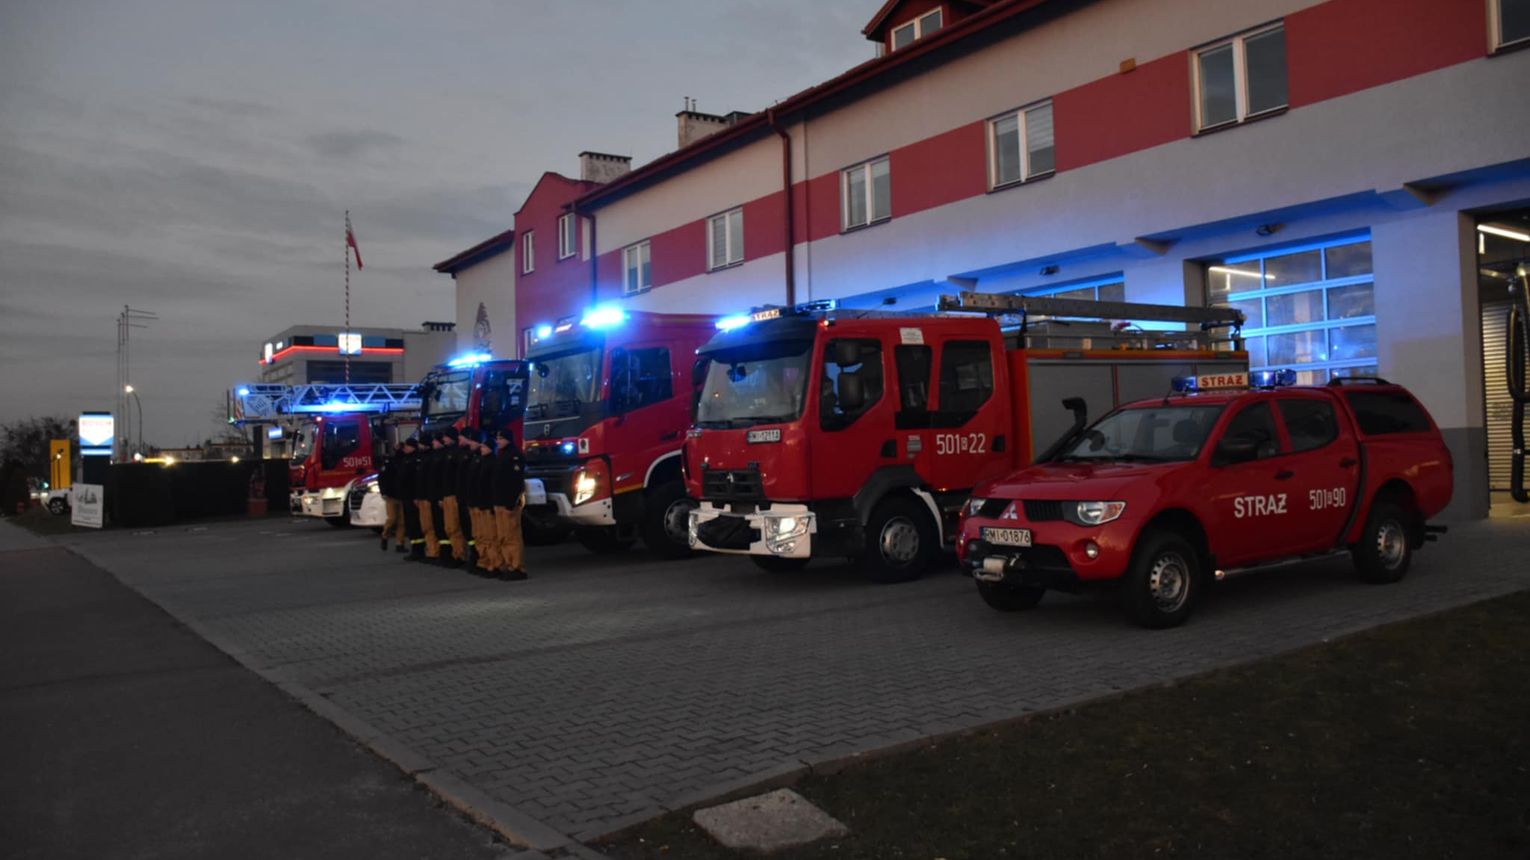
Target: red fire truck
[
  {"x": 475, "y": 391},
  {"x": 1163, "y": 496},
  {"x": 606, "y": 414},
  {"x": 860, "y": 435}
]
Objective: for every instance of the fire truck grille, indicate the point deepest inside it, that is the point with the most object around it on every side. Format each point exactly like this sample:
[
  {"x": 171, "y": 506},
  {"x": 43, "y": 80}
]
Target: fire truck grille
[
  {"x": 1039, "y": 511},
  {"x": 732, "y": 485}
]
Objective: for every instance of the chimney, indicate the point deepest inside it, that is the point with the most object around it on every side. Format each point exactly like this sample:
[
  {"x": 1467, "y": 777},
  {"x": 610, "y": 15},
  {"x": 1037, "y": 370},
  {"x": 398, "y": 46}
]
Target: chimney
[
  {"x": 693, "y": 125},
  {"x": 603, "y": 167}
]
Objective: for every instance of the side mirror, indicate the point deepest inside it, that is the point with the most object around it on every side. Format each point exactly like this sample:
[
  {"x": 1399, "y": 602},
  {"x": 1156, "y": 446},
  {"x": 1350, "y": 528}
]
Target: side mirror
[{"x": 1245, "y": 449}]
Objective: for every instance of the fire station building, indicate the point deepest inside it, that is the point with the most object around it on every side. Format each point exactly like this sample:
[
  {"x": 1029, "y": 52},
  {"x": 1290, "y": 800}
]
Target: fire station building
[{"x": 1353, "y": 174}]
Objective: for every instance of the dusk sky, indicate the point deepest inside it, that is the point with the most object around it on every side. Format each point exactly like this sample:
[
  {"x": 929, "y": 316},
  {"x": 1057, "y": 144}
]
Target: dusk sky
[{"x": 195, "y": 159}]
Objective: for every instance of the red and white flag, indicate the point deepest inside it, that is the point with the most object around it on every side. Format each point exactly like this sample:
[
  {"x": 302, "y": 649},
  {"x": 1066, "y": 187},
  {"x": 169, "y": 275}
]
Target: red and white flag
[{"x": 350, "y": 239}]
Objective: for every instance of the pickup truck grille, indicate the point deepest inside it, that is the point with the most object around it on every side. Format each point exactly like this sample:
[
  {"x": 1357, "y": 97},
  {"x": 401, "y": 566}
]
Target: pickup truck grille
[
  {"x": 1040, "y": 511},
  {"x": 355, "y": 498},
  {"x": 732, "y": 485}
]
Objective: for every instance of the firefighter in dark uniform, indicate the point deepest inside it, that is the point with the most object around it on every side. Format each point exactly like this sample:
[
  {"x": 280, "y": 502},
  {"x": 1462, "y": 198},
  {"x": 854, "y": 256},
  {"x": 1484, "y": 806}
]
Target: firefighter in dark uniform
[
  {"x": 426, "y": 497},
  {"x": 408, "y": 492},
  {"x": 509, "y": 498},
  {"x": 451, "y": 518},
  {"x": 483, "y": 507},
  {"x": 467, "y": 462},
  {"x": 387, "y": 485}
]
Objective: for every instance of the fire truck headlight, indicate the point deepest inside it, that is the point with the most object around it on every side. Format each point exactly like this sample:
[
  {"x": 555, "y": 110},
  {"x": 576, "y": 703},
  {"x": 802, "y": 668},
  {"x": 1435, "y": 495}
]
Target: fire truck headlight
[
  {"x": 1093, "y": 513},
  {"x": 781, "y": 533},
  {"x": 585, "y": 485}
]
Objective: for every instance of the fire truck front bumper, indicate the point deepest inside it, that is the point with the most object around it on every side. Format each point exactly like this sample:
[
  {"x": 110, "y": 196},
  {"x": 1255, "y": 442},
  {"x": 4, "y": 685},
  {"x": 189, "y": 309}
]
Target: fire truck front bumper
[
  {"x": 328, "y": 502},
  {"x": 550, "y": 498},
  {"x": 783, "y": 530}
]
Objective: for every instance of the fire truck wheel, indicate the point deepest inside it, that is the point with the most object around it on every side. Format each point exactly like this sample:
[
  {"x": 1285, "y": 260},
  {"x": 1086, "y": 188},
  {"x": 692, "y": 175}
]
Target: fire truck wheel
[
  {"x": 338, "y": 522},
  {"x": 57, "y": 507},
  {"x": 1384, "y": 551},
  {"x": 1164, "y": 582},
  {"x": 667, "y": 521},
  {"x": 777, "y": 564},
  {"x": 900, "y": 541},
  {"x": 602, "y": 540},
  {"x": 540, "y": 532},
  {"x": 1011, "y": 598}
]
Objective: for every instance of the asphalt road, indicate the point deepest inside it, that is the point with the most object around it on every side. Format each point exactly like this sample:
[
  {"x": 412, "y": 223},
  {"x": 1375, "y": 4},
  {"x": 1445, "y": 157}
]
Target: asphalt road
[{"x": 126, "y": 735}]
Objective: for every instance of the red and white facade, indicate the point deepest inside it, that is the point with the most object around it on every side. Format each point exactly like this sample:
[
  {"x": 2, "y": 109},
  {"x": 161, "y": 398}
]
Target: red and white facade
[{"x": 1027, "y": 145}]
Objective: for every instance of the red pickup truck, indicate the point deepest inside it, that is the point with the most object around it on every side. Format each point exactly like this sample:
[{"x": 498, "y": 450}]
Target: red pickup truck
[{"x": 1161, "y": 497}]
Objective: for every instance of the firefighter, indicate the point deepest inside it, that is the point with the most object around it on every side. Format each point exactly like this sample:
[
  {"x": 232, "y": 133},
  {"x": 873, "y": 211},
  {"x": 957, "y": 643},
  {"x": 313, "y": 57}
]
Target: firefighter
[
  {"x": 451, "y": 517},
  {"x": 408, "y": 492},
  {"x": 483, "y": 508},
  {"x": 387, "y": 484},
  {"x": 509, "y": 498},
  {"x": 467, "y": 460},
  {"x": 425, "y": 495}
]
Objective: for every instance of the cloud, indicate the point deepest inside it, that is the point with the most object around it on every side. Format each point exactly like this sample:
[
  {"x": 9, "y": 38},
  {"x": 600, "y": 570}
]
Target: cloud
[{"x": 351, "y": 144}]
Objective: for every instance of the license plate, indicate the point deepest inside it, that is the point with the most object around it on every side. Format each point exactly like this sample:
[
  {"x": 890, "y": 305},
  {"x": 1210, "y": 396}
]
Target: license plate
[
  {"x": 1007, "y": 537},
  {"x": 536, "y": 493}
]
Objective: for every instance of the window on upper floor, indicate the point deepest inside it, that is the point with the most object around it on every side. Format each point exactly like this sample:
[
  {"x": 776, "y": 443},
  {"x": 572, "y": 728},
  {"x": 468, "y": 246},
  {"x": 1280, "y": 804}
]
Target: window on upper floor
[
  {"x": 1511, "y": 22},
  {"x": 1020, "y": 145},
  {"x": 528, "y": 252},
  {"x": 905, "y": 34},
  {"x": 636, "y": 268},
  {"x": 865, "y": 194},
  {"x": 568, "y": 236},
  {"x": 725, "y": 239},
  {"x": 1240, "y": 78}
]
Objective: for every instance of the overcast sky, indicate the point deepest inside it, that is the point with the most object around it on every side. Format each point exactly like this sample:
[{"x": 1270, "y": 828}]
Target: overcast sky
[{"x": 194, "y": 158}]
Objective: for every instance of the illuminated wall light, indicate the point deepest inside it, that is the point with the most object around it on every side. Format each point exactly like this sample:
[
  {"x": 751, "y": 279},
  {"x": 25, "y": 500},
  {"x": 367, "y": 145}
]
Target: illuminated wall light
[
  {"x": 1229, "y": 270},
  {"x": 1504, "y": 232}
]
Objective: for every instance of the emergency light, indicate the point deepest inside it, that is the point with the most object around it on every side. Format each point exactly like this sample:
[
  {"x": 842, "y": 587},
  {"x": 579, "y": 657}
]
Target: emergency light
[
  {"x": 733, "y": 322},
  {"x": 1272, "y": 378},
  {"x": 604, "y": 317},
  {"x": 544, "y": 331}
]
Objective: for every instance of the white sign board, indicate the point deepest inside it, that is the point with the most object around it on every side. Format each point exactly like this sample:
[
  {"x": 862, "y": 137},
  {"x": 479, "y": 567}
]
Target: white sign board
[
  {"x": 85, "y": 505},
  {"x": 95, "y": 429}
]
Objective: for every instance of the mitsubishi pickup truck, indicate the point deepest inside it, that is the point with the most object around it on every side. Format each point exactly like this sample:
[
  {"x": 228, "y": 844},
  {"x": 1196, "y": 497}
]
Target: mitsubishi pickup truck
[{"x": 1161, "y": 497}]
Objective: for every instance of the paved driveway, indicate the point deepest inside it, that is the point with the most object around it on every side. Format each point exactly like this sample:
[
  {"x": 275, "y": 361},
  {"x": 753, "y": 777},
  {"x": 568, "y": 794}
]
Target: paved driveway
[{"x": 608, "y": 689}]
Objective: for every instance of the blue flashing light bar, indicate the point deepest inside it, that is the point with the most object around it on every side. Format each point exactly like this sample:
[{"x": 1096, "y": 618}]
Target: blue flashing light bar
[
  {"x": 733, "y": 322},
  {"x": 543, "y": 331},
  {"x": 1272, "y": 378},
  {"x": 470, "y": 359},
  {"x": 1183, "y": 385},
  {"x": 244, "y": 392},
  {"x": 605, "y": 316}
]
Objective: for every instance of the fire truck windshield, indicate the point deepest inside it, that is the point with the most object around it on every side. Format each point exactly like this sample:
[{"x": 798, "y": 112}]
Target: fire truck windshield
[
  {"x": 1146, "y": 433},
  {"x": 761, "y": 383},
  {"x": 563, "y": 384},
  {"x": 446, "y": 395}
]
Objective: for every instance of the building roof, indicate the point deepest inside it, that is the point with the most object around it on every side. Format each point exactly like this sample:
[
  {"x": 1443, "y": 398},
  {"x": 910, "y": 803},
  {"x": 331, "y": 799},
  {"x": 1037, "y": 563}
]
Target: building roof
[
  {"x": 873, "y": 28},
  {"x": 759, "y": 123},
  {"x": 490, "y": 247}
]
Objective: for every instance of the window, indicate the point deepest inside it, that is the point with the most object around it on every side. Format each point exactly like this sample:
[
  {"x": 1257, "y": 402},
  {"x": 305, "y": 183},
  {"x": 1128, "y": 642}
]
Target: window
[
  {"x": 637, "y": 273},
  {"x": 1020, "y": 146},
  {"x": 568, "y": 236},
  {"x": 1311, "y": 424},
  {"x": 851, "y": 381},
  {"x": 1241, "y": 78},
  {"x": 640, "y": 377},
  {"x": 340, "y": 440},
  {"x": 1511, "y": 22},
  {"x": 1382, "y": 412},
  {"x": 904, "y": 35},
  {"x": 1249, "y": 436},
  {"x": 966, "y": 380},
  {"x": 866, "y": 193},
  {"x": 725, "y": 239},
  {"x": 528, "y": 253},
  {"x": 1311, "y": 309},
  {"x": 1108, "y": 290}
]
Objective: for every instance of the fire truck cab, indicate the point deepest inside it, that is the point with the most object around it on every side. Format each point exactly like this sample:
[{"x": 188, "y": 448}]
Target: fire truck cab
[
  {"x": 474, "y": 391},
  {"x": 861, "y": 435},
  {"x": 607, "y": 409},
  {"x": 344, "y": 446},
  {"x": 1162, "y": 496}
]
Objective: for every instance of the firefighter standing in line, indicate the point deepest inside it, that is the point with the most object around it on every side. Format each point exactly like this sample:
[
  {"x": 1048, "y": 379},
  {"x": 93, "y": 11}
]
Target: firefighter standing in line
[
  {"x": 466, "y": 459},
  {"x": 483, "y": 507},
  {"x": 387, "y": 484},
  {"x": 407, "y": 482},
  {"x": 451, "y": 518},
  {"x": 509, "y": 498},
  {"x": 425, "y": 495}
]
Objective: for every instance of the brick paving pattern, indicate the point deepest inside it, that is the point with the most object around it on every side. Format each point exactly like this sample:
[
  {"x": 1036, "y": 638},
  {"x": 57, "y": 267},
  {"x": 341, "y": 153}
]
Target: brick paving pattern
[{"x": 607, "y": 689}]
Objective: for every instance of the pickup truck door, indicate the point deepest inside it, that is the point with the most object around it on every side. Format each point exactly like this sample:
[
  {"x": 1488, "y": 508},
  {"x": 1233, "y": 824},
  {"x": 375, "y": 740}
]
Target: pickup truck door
[
  {"x": 1248, "y": 500},
  {"x": 1325, "y": 467}
]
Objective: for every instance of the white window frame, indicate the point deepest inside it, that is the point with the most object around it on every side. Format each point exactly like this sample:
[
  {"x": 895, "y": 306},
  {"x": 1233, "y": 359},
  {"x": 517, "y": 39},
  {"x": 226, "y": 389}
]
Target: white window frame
[
  {"x": 1240, "y": 78},
  {"x": 1026, "y": 174},
  {"x": 528, "y": 252},
  {"x": 1495, "y": 23},
  {"x": 629, "y": 254},
  {"x": 844, "y": 194},
  {"x": 568, "y": 236},
  {"x": 918, "y": 24},
  {"x": 731, "y": 256}
]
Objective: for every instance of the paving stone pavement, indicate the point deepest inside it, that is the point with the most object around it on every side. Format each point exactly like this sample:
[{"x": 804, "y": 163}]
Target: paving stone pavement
[{"x": 608, "y": 689}]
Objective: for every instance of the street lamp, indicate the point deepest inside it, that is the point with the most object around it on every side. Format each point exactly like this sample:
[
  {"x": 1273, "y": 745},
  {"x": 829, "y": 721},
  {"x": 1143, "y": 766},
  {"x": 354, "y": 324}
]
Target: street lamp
[{"x": 130, "y": 390}]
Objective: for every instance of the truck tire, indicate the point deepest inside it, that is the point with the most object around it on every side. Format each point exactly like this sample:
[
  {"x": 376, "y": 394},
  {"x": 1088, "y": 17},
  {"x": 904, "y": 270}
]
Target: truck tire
[
  {"x": 1384, "y": 551},
  {"x": 1164, "y": 582},
  {"x": 901, "y": 541},
  {"x": 1010, "y": 598},
  {"x": 339, "y": 522},
  {"x": 665, "y": 527},
  {"x": 777, "y": 564},
  {"x": 602, "y": 540},
  {"x": 57, "y": 506}
]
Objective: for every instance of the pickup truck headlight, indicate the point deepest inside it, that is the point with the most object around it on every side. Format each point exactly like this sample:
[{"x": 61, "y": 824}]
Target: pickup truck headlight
[
  {"x": 374, "y": 488},
  {"x": 1092, "y": 513},
  {"x": 972, "y": 506}
]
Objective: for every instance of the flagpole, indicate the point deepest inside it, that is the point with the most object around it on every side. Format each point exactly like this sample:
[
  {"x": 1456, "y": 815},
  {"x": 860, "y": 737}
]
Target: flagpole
[{"x": 345, "y": 249}]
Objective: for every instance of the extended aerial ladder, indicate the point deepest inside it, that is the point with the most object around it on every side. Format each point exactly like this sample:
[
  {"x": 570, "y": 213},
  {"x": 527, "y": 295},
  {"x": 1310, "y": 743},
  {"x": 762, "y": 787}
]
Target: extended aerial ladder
[{"x": 267, "y": 403}]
